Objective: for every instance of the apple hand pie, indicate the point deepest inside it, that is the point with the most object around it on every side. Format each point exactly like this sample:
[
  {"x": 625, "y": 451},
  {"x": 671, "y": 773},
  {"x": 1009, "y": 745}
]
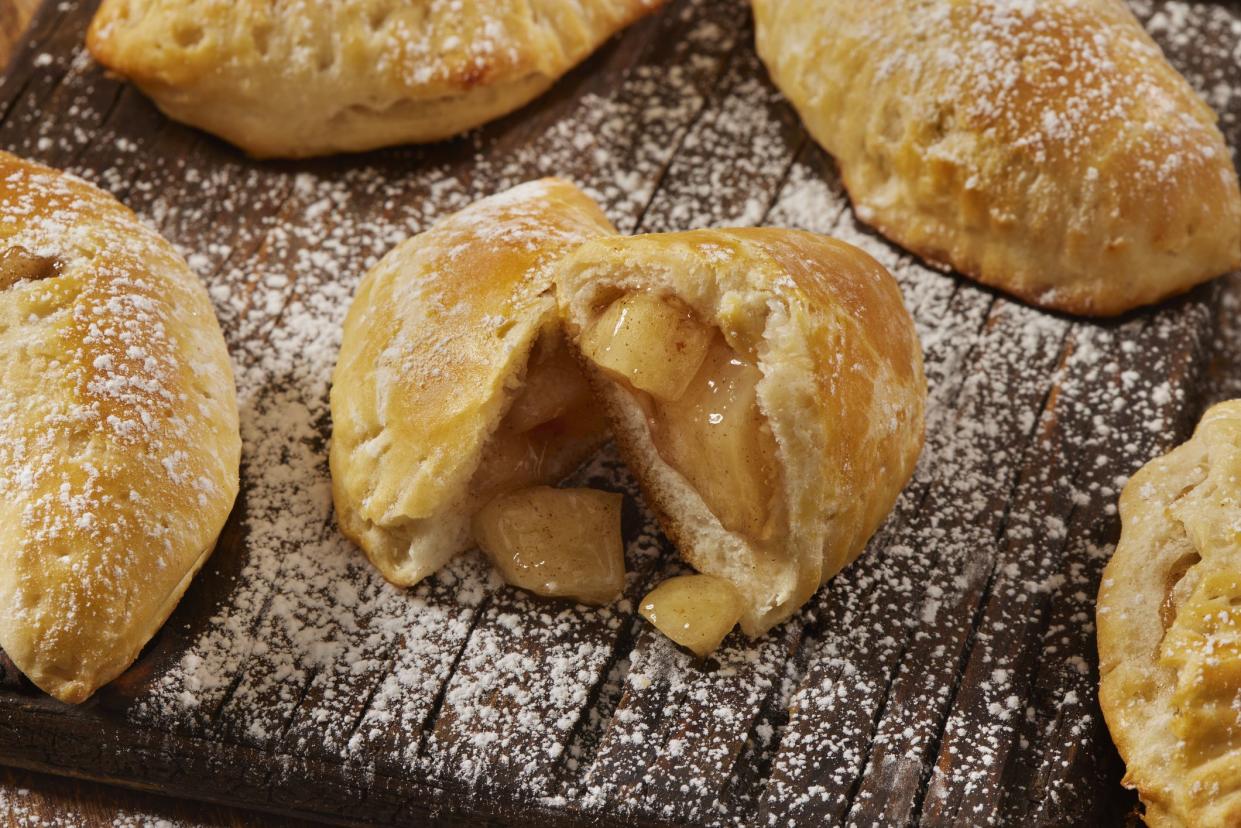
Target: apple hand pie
[
  {"x": 455, "y": 387},
  {"x": 1169, "y": 627},
  {"x": 119, "y": 444},
  {"x": 1044, "y": 148},
  {"x": 765, "y": 387},
  {"x": 300, "y": 79}
]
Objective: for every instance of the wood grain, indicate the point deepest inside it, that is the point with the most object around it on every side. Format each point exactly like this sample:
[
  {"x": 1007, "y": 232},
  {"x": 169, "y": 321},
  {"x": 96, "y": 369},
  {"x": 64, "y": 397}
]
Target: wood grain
[
  {"x": 945, "y": 678},
  {"x": 30, "y": 799}
]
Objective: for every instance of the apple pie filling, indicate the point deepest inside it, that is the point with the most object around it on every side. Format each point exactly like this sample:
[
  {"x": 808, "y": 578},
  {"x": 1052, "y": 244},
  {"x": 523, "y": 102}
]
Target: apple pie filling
[
  {"x": 551, "y": 426},
  {"x": 695, "y": 611},
  {"x": 17, "y": 264},
  {"x": 561, "y": 543},
  {"x": 701, "y": 400},
  {"x": 700, "y": 396}
]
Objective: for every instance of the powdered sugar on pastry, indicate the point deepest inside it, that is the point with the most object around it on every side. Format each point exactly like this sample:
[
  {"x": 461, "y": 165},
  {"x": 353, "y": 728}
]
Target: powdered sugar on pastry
[
  {"x": 1045, "y": 148},
  {"x": 118, "y": 435},
  {"x": 301, "y": 78}
]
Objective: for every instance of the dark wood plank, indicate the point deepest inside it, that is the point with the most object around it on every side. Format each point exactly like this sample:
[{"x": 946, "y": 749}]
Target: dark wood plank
[
  {"x": 675, "y": 737},
  {"x": 1063, "y": 750},
  {"x": 34, "y": 799}
]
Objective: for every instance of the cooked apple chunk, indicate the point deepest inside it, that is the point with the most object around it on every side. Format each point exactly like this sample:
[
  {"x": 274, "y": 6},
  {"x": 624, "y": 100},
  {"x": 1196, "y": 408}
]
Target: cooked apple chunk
[
  {"x": 560, "y": 543},
  {"x": 717, "y": 437},
  {"x": 654, "y": 344},
  {"x": 695, "y": 611},
  {"x": 702, "y": 401},
  {"x": 553, "y": 386},
  {"x": 551, "y": 427}
]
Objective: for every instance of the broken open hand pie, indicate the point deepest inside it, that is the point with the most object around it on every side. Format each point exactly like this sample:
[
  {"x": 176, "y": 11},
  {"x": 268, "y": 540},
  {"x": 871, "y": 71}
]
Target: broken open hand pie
[{"x": 765, "y": 387}]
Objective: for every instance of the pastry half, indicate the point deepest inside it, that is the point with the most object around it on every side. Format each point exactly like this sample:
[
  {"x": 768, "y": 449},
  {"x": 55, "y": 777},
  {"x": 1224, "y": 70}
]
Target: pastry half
[
  {"x": 301, "y": 79},
  {"x": 119, "y": 443},
  {"x": 453, "y": 383},
  {"x": 1169, "y": 628},
  {"x": 765, "y": 387},
  {"x": 1047, "y": 149}
]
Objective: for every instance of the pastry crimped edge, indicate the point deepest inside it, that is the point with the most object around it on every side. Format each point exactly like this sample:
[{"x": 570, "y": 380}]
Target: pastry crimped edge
[
  {"x": 788, "y": 292},
  {"x": 1073, "y": 212},
  {"x": 365, "y": 78},
  {"x": 1178, "y": 517},
  {"x": 119, "y": 437},
  {"x": 400, "y": 467}
]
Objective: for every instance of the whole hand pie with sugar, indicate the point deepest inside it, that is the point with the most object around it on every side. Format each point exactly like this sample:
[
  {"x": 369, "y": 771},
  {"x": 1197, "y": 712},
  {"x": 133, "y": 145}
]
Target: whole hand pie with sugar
[
  {"x": 119, "y": 444},
  {"x": 765, "y": 387},
  {"x": 1169, "y": 627},
  {"x": 1044, "y": 148},
  {"x": 454, "y": 387},
  {"x": 296, "y": 79}
]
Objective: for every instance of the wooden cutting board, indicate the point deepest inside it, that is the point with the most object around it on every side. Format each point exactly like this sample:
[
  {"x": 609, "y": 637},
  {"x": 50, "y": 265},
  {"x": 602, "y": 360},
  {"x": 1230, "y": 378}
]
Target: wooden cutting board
[{"x": 948, "y": 677}]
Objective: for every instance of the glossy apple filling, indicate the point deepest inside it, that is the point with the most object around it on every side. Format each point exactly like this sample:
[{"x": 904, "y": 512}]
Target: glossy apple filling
[
  {"x": 17, "y": 264},
  {"x": 550, "y": 429},
  {"x": 701, "y": 399},
  {"x": 695, "y": 611},
  {"x": 560, "y": 543}
]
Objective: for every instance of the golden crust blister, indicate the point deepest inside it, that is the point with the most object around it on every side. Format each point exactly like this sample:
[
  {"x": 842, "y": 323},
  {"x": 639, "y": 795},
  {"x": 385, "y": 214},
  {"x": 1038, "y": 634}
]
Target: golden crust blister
[
  {"x": 1169, "y": 629},
  {"x": 119, "y": 443},
  {"x": 435, "y": 343},
  {"x": 296, "y": 79},
  {"x": 1047, "y": 149},
  {"x": 842, "y": 391}
]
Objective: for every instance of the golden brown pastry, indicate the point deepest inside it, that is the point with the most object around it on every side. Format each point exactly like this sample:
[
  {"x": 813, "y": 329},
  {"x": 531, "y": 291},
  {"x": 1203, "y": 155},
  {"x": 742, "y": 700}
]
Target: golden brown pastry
[
  {"x": 765, "y": 387},
  {"x": 119, "y": 444},
  {"x": 1169, "y": 627},
  {"x": 1044, "y": 148},
  {"x": 453, "y": 383},
  {"x": 296, "y": 79}
]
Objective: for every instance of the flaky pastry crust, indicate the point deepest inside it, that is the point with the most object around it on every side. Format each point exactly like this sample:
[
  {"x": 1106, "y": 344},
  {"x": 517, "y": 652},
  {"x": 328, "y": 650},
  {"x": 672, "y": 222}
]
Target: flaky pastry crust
[
  {"x": 119, "y": 444},
  {"x": 842, "y": 389},
  {"x": 437, "y": 338},
  {"x": 1169, "y": 629},
  {"x": 297, "y": 78},
  {"x": 1045, "y": 148}
]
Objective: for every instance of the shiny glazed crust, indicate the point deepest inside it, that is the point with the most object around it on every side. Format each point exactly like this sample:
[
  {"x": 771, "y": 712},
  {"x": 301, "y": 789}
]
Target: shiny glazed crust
[
  {"x": 1047, "y": 149},
  {"x": 1169, "y": 628},
  {"x": 119, "y": 444},
  {"x": 842, "y": 388},
  {"x": 299, "y": 78},
  {"x": 439, "y": 330}
]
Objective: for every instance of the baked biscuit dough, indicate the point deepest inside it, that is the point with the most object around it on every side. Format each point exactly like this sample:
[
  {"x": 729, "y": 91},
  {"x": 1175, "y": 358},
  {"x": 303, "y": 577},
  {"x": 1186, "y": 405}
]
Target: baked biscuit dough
[
  {"x": 841, "y": 391},
  {"x": 297, "y": 78},
  {"x": 1169, "y": 627},
  {"x": 443, "y": 336},
  {"x": 119, "y": 443},
  {"x": 1045, "y": 148}
]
